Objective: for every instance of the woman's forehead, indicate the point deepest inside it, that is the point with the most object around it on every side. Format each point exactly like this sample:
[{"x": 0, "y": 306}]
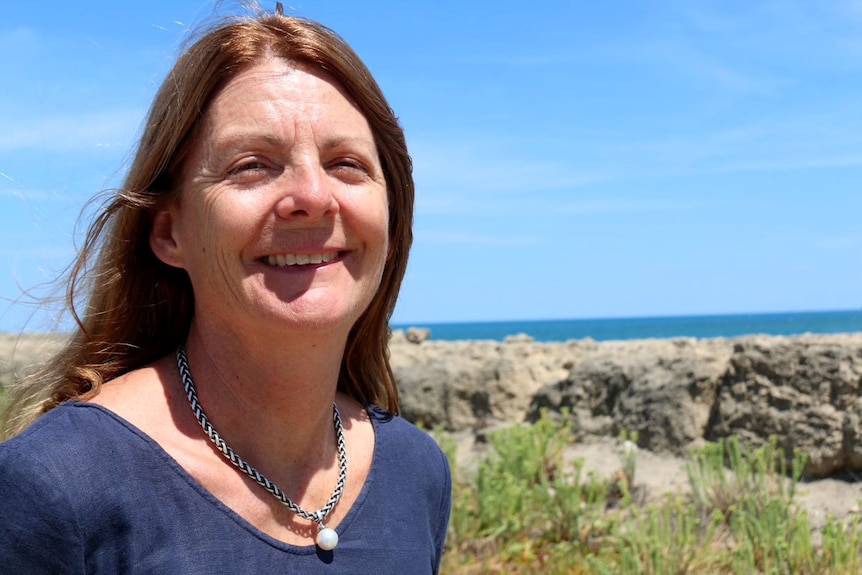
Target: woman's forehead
[{"x": 273, "y": 92}]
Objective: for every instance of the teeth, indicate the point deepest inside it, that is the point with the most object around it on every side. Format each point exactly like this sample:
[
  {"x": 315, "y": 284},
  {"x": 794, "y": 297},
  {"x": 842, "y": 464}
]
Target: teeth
[{"x": 282, "y": 260}]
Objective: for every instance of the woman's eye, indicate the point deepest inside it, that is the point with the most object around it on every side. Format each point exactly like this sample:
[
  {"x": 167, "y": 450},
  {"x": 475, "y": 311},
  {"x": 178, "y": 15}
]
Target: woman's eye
[
  {"x": 247, "y": 167},
  {"x": 349, "y": 168},
  {"x": 249, "y": 172},
  {"x": 349, "y": 164}
]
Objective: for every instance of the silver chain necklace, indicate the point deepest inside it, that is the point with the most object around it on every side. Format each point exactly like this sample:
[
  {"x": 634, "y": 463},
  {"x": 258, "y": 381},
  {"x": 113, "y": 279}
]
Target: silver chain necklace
[{"x": 326, "y": 538}]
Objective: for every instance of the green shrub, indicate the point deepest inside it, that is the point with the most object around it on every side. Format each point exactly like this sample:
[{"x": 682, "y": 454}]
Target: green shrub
[
  {"x": 528, "y": 508},
  {"x": 525, "y": 496}
]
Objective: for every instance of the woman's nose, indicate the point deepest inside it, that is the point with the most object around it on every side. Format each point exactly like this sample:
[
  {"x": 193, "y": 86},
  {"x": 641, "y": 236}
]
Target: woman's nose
[{"x": 306, "y": 192}]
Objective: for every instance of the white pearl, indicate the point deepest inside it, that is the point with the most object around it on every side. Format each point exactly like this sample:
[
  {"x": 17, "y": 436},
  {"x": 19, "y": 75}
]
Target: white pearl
[{"x": 327, "y": 539}]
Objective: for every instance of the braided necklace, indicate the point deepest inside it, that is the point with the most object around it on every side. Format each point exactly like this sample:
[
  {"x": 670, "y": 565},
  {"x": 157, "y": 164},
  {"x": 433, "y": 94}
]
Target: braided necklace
[{"x": 326, "y": 538}]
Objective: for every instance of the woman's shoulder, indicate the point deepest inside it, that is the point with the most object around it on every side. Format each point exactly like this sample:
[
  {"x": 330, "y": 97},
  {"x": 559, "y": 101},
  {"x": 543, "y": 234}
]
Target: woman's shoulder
[
  {"x": 402, "y": 443},
  {"x": 58, "y": 470},
  {"x": 62, "y": 425},
  {"x": 412, "y": 484},
  {"x": 78, "y": 434},
  {"x": 388, "y": 423},
  {"x": 39, "y": 528},
  {"x": 68, "y": 438}
]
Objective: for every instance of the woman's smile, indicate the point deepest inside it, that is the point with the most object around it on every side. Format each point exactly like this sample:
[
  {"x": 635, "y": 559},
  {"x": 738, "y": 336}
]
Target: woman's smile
[{"x": 301, "y": 260}]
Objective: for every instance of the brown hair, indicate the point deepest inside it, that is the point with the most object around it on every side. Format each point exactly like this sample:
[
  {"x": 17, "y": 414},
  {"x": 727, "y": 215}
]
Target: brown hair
[{"x": 130, "y": 308}]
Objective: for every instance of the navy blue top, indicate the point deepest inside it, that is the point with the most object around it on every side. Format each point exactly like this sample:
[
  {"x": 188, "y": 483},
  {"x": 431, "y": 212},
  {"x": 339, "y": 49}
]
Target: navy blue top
[{"x": 84, "y": 491}]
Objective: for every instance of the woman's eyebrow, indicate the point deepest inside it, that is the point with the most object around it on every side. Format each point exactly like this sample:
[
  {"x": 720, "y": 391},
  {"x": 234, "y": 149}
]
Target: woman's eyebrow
[
  {"x": 335, "y": 142},
  {"x": 241, "y": 138},
  {"x": 238, "y": 139}
]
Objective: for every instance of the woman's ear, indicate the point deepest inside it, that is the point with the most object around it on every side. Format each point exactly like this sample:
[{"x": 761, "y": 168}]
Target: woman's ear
[{"x": 163, "y": 240}]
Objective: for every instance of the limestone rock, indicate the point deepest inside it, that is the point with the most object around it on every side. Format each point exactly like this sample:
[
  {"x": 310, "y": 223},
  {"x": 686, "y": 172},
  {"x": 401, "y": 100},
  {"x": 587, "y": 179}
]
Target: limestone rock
[
  {"x": 662, "y": 389},
  {"x": 417, "y": 334},
  {"x": 471, "y": 384},
  {"x": 805, "y": 390}
]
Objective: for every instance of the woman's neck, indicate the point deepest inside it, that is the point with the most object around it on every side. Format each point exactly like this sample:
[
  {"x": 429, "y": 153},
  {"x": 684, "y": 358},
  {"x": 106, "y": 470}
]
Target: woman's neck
[{"x": 269, "y": 398}]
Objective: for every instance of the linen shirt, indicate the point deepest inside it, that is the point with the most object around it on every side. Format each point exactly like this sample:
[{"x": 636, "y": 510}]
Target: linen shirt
[{"x": 84, "y": 491}]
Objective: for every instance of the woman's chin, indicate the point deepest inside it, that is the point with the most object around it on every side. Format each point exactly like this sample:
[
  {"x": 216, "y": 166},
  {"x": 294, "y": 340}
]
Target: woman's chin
[{"x": 321, "y": 316}]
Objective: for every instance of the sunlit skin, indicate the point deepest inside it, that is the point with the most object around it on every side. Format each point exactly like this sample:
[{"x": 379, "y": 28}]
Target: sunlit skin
[{"x": 285, "y": 168}]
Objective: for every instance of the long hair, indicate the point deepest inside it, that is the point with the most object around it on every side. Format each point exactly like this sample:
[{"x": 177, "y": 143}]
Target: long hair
[{"x": 128, "y": 306}]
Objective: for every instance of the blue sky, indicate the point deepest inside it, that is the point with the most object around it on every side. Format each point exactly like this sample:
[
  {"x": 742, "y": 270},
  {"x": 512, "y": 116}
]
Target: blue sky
[{"x": 573, "y": 159}]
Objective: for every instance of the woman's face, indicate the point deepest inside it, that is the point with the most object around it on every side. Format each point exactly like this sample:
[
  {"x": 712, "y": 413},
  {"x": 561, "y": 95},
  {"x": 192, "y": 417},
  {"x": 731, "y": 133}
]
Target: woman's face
[{"x": 282, "y": 218}]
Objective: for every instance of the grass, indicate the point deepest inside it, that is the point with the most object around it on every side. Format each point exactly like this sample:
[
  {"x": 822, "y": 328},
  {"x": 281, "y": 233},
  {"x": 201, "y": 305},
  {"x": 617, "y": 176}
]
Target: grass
[{"x": 528, "y": 508}]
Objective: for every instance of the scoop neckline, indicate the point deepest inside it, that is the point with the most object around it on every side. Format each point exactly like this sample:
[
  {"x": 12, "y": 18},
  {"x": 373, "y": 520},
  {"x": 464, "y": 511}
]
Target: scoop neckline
[{"x": 223, "y": 508}]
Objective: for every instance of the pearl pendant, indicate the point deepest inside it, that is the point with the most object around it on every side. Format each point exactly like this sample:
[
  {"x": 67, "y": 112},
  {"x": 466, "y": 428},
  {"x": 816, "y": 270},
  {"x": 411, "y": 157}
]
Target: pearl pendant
[{"x": 327, "y": 538}]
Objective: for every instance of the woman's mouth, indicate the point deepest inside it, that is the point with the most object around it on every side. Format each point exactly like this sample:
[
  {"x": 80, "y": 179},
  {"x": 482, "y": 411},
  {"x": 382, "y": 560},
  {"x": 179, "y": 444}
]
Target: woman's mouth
[{"x": 284, "y": 260}]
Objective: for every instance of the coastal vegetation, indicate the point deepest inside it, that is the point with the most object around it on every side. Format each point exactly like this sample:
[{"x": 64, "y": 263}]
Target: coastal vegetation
[{"x": 527, "y": 508}]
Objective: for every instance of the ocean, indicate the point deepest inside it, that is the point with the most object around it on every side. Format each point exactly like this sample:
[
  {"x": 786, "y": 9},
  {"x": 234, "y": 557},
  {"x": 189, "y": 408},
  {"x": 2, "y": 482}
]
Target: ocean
[{"x": 703, "y": 326}]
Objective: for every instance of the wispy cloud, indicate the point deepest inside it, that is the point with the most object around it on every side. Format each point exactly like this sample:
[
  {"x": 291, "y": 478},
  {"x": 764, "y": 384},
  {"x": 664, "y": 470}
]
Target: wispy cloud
[
  {"x": 838, "y": 243},
  {"x": 805, "y": 141},
  {"x": 17, "y": 40},
  {"x": 492, "y": 175},
  {"x": 495, "y": 178},
  {"x": 790, "y": 164},
  {"x": 36, "y": 252},
  {"x": 28, "y": 195},
  {"x": 111, "y": 128},
  {"x": 494, "y": 165}
]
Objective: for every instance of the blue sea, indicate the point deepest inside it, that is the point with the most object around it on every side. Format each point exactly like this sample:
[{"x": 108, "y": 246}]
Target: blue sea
[{"x": 702, "y": 326}]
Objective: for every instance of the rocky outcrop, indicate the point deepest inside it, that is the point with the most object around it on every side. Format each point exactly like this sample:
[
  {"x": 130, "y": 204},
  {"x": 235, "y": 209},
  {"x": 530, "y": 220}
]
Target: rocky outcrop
[
  {"x": 664, "y": 390},
  {"x": 806, "y": 390},
  {"x": 472, "y": 384}
]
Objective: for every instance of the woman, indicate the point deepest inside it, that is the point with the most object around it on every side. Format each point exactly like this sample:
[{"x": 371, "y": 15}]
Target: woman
[{"x": 226, "y": 405}]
